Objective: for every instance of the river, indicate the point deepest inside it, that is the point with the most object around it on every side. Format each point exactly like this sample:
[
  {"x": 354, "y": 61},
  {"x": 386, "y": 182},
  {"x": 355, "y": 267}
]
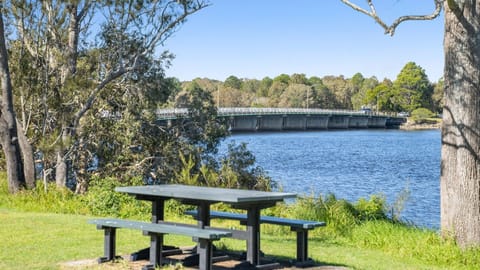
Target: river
[{"x": 355, "y": 163}]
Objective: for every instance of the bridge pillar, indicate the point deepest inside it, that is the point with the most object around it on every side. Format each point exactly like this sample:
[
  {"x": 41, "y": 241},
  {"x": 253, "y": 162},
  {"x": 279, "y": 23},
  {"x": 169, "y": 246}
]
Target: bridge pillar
[
  {"x": 317, "y": 121},
  {"x": 358, "y": 121},
  {"x": 338, "y": 121},
  {"x": 294, "y": 122},
  {"x": 270, "y": 122},
  {"x": 377, "y": 122},
  {"x": 244, "y": 123}
]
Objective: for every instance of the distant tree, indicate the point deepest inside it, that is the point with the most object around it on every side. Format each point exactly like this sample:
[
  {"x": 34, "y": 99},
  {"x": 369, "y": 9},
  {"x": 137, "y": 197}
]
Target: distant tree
[
  {"x": 265, "y": 85},
  {"x": 413, "y": 82},
  {"x": 297, "y": 78},
  {"x": 339, "y": 87},
  {"x": 324, "y": 98},
  {"x": 250, "y": 86},
  {"x": 275, "y": 91},
  {"x": 296, "y": 96},
  {"x": 381, "y": 98},
  {"x": 314, "y": 80},
  {"x": 233, "y": 82},
  {"x": 208, "y": 85},
  {"x": 357, "y": 80},
  {"x": 233, "y": 97},
  {"x": 282, "y": 78},
  {"x": 359, "y": 98}
]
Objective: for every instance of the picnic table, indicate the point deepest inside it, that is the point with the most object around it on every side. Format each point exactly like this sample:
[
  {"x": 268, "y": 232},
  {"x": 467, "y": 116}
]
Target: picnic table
[{"x": 202, "y": 197}]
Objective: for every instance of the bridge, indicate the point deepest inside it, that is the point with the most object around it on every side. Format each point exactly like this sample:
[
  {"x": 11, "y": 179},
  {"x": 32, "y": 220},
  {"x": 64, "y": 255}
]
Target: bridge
[{"x": 284, "y": 119}]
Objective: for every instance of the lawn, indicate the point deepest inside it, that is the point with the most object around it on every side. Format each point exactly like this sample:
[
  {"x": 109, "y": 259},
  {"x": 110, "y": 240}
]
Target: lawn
[{"x": 45, "y": 241}]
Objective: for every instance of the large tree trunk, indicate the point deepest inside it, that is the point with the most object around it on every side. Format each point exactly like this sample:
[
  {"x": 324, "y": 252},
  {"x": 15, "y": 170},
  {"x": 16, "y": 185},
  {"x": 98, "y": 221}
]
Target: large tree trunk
[
  {"x": 8, "y": 125},
  {"x": 460, "y": 167},
  {"x": 27, "y": 157}
]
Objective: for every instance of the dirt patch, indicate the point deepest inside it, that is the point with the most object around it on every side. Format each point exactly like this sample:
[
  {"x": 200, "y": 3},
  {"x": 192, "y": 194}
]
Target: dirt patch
[{"x": 230, "y": 262}]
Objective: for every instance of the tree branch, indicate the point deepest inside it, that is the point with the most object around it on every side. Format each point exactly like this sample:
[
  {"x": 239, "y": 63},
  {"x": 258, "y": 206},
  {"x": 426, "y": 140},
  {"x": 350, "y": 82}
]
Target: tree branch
[{"x": 390, "y": 30}]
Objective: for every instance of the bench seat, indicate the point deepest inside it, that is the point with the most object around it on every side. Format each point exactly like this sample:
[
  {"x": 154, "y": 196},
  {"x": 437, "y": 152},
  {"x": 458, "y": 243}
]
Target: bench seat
[
  {"x": 301, "y": 227},
  {"x": 293, "y": 223},
  {"x": 156, "y": 232}
]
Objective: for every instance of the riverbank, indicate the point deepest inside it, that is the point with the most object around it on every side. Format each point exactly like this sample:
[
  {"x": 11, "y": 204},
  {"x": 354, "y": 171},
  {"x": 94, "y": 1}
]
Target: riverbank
[{"x": 432, "y": 124}]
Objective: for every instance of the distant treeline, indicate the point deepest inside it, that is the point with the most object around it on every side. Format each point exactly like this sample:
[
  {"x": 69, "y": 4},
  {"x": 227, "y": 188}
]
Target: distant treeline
[{"x": 409, "y": 91}]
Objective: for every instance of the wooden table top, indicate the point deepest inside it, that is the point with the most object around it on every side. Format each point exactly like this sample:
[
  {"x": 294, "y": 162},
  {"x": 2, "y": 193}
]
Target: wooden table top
[{"x": 210, "y": 194}]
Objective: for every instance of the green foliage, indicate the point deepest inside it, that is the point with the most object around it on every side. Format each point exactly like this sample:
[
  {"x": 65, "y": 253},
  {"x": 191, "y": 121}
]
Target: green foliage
[
  {"x": 236, "y": 169},
  {"x": 422, "y": 116},
  {"x": 413, "y": 80},
  {"x": 92, "y": 98},
  {"x": 340, "y": 215},
  {"x": 102, "y": 200},
  {"x": 409, "y": 91},
  {"x": 372, "y": 209},
  {"x": 282, "y": 78},
  {"x": 233, "y": 82}
]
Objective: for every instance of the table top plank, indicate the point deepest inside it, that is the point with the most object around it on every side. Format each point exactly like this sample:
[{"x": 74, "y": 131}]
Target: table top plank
[{"x": 208, "y": 194}]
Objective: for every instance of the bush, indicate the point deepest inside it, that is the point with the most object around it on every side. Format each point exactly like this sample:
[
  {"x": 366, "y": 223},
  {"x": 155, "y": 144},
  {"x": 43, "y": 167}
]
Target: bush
[
  {"x": 423, "y": 116},
  {"x": 340, "y": 215},
  {"x": 103, "y": 200},
  {"x": 373, "y": 209}
]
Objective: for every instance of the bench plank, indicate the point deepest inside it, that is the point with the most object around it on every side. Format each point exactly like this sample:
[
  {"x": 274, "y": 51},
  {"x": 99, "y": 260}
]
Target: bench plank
[
  {"x": 294, "y": 223},
  {"x": 170, "y": 228},
  {"x": 156, "y": 232}
]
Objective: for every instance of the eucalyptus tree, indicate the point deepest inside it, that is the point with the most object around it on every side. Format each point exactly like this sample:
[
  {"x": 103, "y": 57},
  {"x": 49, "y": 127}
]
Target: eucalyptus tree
[
  {"x": 10, "y": 132},
  {"x": 460, "y": 165},
  {"x": 84, "y": 49}
]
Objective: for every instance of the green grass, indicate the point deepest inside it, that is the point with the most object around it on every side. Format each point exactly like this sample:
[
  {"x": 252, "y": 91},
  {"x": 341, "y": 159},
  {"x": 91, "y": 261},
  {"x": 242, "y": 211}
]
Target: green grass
[
  {"x": 43, "y": 241},
  {"x": 42, "y": 230}
]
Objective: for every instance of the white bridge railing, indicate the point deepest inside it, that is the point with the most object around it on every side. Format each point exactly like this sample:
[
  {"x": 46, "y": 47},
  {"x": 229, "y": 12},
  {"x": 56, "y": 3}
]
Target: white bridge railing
[{"x": 172, "y": 113}]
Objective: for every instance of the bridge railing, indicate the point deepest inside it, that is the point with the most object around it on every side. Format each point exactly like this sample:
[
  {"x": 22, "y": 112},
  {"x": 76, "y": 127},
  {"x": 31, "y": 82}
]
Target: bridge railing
[{"x": 172, "y": 113}]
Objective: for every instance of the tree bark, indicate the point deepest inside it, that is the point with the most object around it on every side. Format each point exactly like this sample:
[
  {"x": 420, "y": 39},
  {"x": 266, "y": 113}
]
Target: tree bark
[
  {"x": 27, "y": 157},
  {"x": 8, "y": 125},
  {"x": 460, "y": 166}
]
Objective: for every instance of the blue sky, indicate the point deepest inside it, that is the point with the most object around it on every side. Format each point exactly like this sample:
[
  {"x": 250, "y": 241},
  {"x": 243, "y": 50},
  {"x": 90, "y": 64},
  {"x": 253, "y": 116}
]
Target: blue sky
[{"x": 258, "y": 38}]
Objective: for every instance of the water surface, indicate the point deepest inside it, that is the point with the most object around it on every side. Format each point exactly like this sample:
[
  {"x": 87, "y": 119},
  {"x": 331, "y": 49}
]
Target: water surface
[{"x": 354, "y": 164}]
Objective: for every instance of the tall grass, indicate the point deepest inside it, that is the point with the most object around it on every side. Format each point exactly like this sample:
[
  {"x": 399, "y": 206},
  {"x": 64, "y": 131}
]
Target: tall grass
[
  {"x": 363, "y": 227},
  {"x": 407, "y": 241}
]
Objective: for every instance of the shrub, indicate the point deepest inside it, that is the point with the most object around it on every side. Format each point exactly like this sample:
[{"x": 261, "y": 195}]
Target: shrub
[
  {"x": 422, "y": 116},
  {"x": 340, "y": 215},
  {"x": 103, "y": 200},
  {"x": 373, "y": 209}
]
